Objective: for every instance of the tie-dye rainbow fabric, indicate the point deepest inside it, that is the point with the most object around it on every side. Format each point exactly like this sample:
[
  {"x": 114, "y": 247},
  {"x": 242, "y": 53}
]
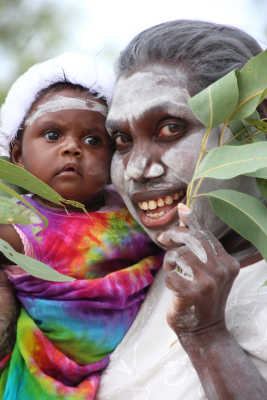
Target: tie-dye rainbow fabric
[{"x": 67, "y": 330}]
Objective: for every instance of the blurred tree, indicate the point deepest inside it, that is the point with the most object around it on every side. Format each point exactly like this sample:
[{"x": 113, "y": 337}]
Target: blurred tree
[{"x": 30, "y": 31}]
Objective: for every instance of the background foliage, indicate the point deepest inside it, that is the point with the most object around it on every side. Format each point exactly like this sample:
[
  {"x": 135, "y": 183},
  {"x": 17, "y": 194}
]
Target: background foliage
[{"x": 30, "y": 31}]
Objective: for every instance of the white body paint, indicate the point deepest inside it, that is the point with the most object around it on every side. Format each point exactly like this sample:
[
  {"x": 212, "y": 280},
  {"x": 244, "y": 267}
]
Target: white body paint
[
  {"x": 60, "y": 103},
  {"x": 141, "y": 102}
]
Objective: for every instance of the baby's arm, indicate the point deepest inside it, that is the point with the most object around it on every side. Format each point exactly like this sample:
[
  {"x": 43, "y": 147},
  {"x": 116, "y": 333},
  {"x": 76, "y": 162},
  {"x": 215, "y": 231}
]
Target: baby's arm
[{"x": 8, "y": 304}]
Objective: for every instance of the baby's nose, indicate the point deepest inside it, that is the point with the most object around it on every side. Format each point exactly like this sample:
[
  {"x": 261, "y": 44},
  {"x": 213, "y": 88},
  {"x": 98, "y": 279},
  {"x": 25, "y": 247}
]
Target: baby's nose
[{"x": 71, "y": 146}]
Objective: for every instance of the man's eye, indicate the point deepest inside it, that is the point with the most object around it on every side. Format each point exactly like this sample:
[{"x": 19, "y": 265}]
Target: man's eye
[
  {"x": 92, "y": 140},
  {"x": 122, "y": 141},
  {"x": 52, "y": 136},
  {"x": 172, "y": 131}
]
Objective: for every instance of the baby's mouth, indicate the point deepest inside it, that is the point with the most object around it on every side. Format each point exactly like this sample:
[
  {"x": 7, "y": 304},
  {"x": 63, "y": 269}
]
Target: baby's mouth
[
  {"x": 160, "y": 211},
  {"x": 69, "y": 169}
]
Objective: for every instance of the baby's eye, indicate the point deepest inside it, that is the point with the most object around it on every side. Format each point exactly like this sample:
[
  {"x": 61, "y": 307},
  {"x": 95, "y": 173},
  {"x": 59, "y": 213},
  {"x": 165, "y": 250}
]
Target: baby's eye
[
  {"x": 172, "y": 130},
  {"x": 92, "y": 140},
  {"x": 52, "y": 136},
  {"x": 122, "y": 141}
]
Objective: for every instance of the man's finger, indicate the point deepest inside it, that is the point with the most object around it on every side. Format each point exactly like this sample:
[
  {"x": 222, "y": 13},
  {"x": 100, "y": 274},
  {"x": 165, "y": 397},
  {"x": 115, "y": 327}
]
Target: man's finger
[{"x": 175, "y": 236}]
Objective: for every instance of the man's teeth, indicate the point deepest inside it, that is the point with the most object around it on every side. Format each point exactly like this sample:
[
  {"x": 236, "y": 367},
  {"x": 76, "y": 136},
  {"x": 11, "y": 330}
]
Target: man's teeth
[
  {"x": 160, "y": 202},
  {"x": 155, "y": 215}
]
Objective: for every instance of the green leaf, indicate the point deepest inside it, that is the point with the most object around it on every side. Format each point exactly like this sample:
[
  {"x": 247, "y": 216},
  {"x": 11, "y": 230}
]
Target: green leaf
[
  {"x": 19, "y": 176},
  {"x": 14, "y": 187},
  {"x": 16, "y": 175},
  {"x": 213, "y": 105},
  {"x": 259, "y": 173},
  {"x": 262, "y": 185},
  {"x": 14, "y": 194},
  {"x": 243, "y": 213},
  {"x": 13, "y": 213},
  {"x": 252, "y": 84},
  {"x": 258, "y": 123},
  {"x": 32, "y": 266},
  {"x": 227, "y": 162},
  {"x": 242, "y": 132}
]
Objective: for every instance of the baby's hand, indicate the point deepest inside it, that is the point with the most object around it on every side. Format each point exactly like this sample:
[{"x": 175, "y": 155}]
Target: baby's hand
[
  {"x": 8, "y": 316},
  {"x": 201, "y": 274}
]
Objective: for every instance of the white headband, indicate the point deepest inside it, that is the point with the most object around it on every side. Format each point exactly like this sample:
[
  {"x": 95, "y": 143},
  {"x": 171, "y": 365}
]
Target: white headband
[{"x": 75, "y": 68}]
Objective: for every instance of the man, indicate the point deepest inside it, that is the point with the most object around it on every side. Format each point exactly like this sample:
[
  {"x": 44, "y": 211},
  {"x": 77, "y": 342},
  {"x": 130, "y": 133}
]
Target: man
[{"x": 158, "y": 141}]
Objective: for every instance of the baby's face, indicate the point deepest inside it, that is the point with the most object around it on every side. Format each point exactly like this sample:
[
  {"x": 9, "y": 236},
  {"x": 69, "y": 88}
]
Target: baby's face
[{"x": 65, "y": 144}]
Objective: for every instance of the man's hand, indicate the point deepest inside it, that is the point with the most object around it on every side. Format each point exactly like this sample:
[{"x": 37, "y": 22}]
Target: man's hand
[{"x": 201, "y": 274}]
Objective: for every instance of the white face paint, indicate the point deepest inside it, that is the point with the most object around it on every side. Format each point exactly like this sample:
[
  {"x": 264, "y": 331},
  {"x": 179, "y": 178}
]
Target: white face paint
[
  {"x": 61, "y": 103},
  {"x": 159, "y": 140}
]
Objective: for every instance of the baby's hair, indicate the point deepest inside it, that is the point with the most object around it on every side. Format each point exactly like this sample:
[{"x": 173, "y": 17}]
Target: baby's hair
[{"x": 53, "y": 88}]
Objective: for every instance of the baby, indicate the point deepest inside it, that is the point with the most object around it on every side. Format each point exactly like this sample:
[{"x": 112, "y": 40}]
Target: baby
[{"x": 54, "y": 121}]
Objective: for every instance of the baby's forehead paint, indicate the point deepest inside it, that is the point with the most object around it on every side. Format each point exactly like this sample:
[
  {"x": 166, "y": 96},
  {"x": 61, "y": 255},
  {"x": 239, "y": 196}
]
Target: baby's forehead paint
[{"x": 60, "y": 103}]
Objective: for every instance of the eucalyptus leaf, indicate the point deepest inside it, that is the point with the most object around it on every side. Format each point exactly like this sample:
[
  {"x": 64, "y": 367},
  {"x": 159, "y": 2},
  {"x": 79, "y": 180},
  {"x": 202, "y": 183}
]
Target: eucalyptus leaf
[
  {"x": 262, "y": 185},
  {"x": 226, "y": 162},
  {"x": 19, "y": 176},
  {"x": 243, "y": 213},
  {"x": 32, "y": 266},
  {"x": 259, "y": 124},
  {"x": 259, "y": 173},
  {"x": 214, "y": 104},
  {"x": 17, "y": 196},
  {"x": 16, "y": 175},
  {"x": 252, "y": 84},
  {"x": 14, "y": 213},
  {"x": 242, "y": 132},
  {"x": 14, "y": 187}
]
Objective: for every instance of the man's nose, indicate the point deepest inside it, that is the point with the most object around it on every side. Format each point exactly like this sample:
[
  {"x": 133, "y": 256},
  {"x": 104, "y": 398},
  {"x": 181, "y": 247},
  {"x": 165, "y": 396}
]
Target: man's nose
[
  {"x": 71, "y": 146},
  {"x": 141, "y": 166}
]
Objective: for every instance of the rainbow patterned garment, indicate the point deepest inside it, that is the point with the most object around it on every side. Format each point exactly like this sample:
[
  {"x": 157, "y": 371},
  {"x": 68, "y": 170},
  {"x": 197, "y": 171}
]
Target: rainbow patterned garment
[{"x": 67, "y": 330}]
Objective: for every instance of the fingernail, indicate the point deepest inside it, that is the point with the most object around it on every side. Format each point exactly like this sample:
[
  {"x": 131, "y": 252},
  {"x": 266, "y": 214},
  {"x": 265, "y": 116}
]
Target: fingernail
[
  {"x": 160, "y": 237},
  {"x": 184, "y": 208}
]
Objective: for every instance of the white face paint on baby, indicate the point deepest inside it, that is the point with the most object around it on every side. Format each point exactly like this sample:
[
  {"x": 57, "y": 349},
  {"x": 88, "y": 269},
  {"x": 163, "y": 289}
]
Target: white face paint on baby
[
  {"x": 158, "y": 141},
  {"x": 60, "y": 103}
]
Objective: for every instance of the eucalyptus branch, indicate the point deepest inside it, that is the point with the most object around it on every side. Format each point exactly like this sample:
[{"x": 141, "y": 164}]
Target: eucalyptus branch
[
  {"x": 234, "y": 136},
  {"x": 236, "y": 109},
  {"x": 202, "y": 153}
]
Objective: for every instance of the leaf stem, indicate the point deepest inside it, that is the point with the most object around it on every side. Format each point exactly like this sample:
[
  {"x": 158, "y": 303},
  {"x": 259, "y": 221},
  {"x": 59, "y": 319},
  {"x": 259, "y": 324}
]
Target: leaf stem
[{"x": 189, "y": 196}]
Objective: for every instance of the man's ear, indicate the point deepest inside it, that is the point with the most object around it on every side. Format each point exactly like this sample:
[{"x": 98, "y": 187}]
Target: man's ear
[{"x": 16, "y": 153}]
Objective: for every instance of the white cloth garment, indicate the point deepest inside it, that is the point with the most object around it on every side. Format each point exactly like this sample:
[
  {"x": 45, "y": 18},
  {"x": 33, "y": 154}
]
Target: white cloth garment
[{"x": 151, "y": 364}]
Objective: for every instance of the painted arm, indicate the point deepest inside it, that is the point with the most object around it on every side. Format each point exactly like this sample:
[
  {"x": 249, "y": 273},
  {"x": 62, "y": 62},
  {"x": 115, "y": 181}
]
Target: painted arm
[{"x": 201, "y": 274}]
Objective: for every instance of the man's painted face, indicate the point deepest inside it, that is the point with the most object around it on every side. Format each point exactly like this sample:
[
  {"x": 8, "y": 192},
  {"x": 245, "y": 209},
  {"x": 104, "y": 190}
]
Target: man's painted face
[{"x": 158, "y": 142}]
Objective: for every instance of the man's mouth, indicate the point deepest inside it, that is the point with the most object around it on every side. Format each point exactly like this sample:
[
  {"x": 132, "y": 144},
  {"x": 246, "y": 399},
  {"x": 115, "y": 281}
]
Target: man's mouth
[{"x": 160, "y": 211}]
